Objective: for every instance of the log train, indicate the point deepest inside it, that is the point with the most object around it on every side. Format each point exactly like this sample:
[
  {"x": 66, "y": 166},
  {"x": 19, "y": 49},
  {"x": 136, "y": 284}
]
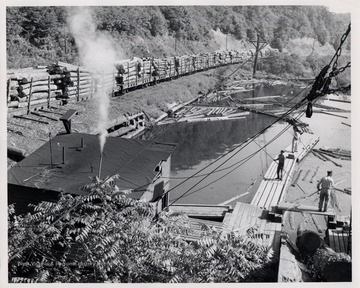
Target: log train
[{"x": 60, "y": 83}]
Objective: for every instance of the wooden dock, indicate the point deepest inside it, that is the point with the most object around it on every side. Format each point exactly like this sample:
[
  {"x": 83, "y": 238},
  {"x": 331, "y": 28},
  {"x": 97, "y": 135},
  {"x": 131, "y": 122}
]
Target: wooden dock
[
  {"x": 260, "y": 214},
  {"x": 246, "y": 216},
  {"x": 272, "y": 191}
]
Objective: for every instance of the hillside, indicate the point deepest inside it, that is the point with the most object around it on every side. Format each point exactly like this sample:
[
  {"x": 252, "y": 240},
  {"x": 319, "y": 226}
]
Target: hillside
[{"x": 40, "y": 35}]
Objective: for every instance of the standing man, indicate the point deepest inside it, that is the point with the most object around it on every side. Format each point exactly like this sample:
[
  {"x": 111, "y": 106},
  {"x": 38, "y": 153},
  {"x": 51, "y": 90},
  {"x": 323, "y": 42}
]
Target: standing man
[
  {"x": 324, "y": 186},
  {"x": 295, "y": 139},
  {"x": 280, "y": 168}
]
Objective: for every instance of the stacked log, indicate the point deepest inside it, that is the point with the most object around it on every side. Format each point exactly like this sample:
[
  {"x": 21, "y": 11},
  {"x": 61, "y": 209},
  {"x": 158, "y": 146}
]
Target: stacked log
[
  {"x": 32, "y": 85},
  {"x": 76, "y": 82},
  {"x": 66, "y": 81},
  {"x": 129, "y": 72}
]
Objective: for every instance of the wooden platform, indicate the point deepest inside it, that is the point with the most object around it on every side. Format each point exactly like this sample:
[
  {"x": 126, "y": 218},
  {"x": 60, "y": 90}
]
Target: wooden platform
[
  {"x": 245, "y": 216},
  {"x": 306, "y": 143},
  {"x": 338, "y": 240},
  {"x": 272, "y": 191},
  {"x": 201, "y": 211}
]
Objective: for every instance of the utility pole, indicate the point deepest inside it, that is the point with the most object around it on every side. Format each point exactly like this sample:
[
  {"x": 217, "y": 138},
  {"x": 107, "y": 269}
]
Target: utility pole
[{"x": 257, "y": 51}]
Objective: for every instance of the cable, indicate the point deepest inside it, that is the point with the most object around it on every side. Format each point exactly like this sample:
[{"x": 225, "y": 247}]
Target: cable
[
  {"x": 298, "y": 105},
  {"x": 241, "y": 162},
  {"x": 217, "y": 160}
]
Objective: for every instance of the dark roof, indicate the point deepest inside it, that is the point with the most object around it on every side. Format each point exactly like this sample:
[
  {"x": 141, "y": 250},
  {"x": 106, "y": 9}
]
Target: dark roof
[{"x": 132, "y": 159}]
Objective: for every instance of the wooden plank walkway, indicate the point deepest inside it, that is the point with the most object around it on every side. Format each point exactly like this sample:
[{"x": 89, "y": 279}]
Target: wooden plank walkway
[
  {"x": 272, "y": 191},
  {"x": 246, "y": 216},
  {"x": 338, "y": 240}
]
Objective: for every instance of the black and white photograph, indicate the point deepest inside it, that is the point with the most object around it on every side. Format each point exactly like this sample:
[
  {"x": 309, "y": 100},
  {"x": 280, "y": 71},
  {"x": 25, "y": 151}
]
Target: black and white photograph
[{"x": 178, "y": 142}]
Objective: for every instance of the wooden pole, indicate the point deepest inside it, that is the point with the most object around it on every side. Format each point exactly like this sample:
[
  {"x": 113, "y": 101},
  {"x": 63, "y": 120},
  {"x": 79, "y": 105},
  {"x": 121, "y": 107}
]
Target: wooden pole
[
  {"x": 51, "y": 161},
  {"x": 128, "y": 73},
  {"x": 256, "y": 54},
  {"x": 113, "y": 83},
  {"x": 92, "y": 86},
  {"x": 49, "y": 91},
  {"x": 30, "y": 94},
  {"x": 8, "y": 91},
  {"x": 78, "y": 84}
]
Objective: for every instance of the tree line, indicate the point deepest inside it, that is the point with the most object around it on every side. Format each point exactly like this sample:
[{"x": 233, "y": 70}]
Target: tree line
[{"x": 39, "y": 35}]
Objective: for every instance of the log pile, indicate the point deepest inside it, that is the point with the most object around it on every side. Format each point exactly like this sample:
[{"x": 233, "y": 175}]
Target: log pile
[
  {"x": 65, "y": 82},
  {"x": 33, "y": 85},
  {"x": 76, "y": 82}
]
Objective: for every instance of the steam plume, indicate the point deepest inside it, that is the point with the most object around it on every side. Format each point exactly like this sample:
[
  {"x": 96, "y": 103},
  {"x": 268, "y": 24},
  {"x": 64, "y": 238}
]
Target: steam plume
[{"x": 97, "y": 54}]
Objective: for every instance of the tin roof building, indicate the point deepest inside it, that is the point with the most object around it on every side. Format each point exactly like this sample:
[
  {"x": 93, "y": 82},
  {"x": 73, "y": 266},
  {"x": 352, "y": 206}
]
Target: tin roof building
[{"x": 70, "y": 161}]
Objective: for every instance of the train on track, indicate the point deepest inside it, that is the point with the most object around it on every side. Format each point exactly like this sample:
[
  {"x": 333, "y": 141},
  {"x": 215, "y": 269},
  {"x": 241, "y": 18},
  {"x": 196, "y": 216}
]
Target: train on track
[{"x": 60, "y": 83}]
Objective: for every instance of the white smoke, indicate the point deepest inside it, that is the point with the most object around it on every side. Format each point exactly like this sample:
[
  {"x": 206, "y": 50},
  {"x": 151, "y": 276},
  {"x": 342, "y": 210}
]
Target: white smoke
[{"x": 97, "y": 54}]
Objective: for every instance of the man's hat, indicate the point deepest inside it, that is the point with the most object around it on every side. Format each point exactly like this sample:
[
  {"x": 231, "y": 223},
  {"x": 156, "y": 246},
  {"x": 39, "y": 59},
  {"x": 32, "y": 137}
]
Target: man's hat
[{"x": 329, "y": 172}]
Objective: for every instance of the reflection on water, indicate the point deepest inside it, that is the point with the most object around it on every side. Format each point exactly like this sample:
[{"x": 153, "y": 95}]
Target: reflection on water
[
  {"x": 200, "y": 144},
  {"x": 205, "y": 141}
]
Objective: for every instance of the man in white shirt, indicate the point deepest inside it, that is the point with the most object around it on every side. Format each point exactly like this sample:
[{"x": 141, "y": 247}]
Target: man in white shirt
[
  {"x": 295, "y": 140},
  {"x": 324, "y": 186}
]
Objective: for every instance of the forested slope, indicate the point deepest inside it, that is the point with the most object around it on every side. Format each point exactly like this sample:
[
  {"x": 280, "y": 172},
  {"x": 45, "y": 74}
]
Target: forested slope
[{"x": 39, "y": 35}]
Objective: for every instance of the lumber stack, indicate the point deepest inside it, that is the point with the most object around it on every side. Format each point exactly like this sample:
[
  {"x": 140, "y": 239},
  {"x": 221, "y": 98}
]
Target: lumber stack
[
  {"x": 63, "y": 81},
  {"x": 32, "y": 84},
  {"x": 76, "y": 82},
  {"x": 128, "y": 72}
]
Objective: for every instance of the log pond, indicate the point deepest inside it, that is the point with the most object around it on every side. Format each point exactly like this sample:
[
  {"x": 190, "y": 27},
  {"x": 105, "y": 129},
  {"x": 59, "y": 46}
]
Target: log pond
[{"x": 205, "y": 146}]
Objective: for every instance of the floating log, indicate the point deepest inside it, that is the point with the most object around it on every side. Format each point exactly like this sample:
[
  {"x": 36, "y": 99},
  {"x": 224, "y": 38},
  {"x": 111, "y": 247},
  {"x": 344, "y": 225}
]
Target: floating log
[
  {"x": 337, "y": 152},
  {"x": 332, "y": 114},
  {"x": 327, "y": 158},
  {"x": 297, "y": 178},
  {"x": 318, "y": 155},
  {"x": 312, "y": 178}
]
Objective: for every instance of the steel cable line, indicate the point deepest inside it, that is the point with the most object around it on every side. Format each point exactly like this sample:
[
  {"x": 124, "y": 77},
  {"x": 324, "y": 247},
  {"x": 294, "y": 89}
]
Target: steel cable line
[
  {"x": 201, "y": 175},
  {"x": 239, "y": 163},
  {"x": 298, "y": 105},
  {"x": 247, "y": 158}
]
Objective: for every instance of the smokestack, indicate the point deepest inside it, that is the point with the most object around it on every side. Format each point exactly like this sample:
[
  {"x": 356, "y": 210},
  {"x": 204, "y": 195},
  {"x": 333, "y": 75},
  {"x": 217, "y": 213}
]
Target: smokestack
[
  {"x": 63, "y": 155},
  {"x": 101, "y": 156}
]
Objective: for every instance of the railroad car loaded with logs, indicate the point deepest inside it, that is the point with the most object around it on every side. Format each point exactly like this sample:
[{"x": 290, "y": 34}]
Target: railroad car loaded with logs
[{"x": 59, "y": 83}]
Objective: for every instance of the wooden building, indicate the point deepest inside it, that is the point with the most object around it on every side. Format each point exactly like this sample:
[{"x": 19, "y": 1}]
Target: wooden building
[{"x": 70, "y": 161}]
